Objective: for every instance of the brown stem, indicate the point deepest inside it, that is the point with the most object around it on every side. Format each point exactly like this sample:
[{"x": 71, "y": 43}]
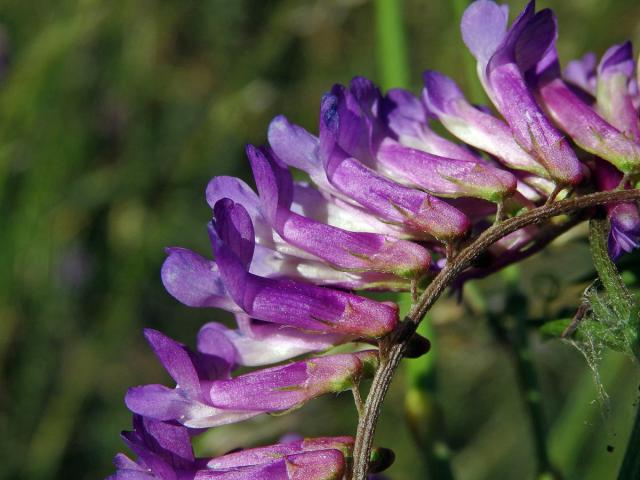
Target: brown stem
[{"x": 393, "y": 346}]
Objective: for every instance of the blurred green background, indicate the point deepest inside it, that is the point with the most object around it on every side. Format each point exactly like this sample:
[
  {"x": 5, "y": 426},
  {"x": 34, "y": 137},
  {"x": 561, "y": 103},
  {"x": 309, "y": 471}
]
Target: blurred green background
[{"x": 114, "y": 114}]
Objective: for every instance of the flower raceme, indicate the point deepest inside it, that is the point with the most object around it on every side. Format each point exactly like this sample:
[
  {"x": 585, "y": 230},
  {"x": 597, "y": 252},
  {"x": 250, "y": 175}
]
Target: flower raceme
[{"x": 386, "y": 201}]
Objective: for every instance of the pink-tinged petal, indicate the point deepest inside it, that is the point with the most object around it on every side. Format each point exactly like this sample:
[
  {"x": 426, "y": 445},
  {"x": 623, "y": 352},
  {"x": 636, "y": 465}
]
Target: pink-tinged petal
[
  {"x": 333, "y": 211},
  {"x": 276, "y": 470},
  {"x": 407, "y": 119},
  {"x": 304, "y": 306},
  {"x": 261, "y": 455},
  {"x": 351, "y": 251},
  {"x": 582, "y": 73},
  {"x": 265, "y": 343},
  {"x": 405, "y": 206},
  {"x": 319, "y": 465},
  {"x": 166, "y": 404},
  {"x": 293, "y": 303},
  {"x": 525, "y": 44},
  {"x": 276, "y": 264},
  {"x": 445, "y": 176},
  {"x": 586, "y": 128},
  {"x": 282, "y": 388},
  {"x": 316, "y": 465},
  {"x": 194, "y": 280},
  {"x": 502, "y": 59},
  {"x": 614, "y": 99},
  {"x": 532, "y": 130},
  {"x": 445, "y": 100}
]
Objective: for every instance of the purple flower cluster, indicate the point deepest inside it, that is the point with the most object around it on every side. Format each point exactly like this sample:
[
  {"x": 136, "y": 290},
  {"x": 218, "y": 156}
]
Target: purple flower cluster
[{"x": 388, "y": 198}]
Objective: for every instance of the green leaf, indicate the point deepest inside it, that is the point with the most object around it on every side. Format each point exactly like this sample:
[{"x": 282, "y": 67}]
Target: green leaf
[{"x": 554, "y": 328}]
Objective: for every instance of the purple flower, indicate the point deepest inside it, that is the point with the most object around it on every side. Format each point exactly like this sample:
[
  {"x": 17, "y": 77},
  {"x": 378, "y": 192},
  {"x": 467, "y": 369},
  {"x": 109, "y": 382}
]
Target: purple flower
[
  {"x": 260, "y": 455},
  {"x": 624, "y": 217},
  {"x": 284, "y": 301},
  {"x": 504, "y": 55},
  {"x": 385, "y": 195},
  {"x": 229, "y": 284},
  {"x": 205, "y": 395},
  {"x": 446, "y": 177},
  {"x": 582, "y": 73},
  {"x": 365, "y": 122},
  {"x": 447, "y": 103},
  {"x": 285, "y": 387},
  {"x": 347, "y": 241},
  {"x": 625, "y": 229},
  {"x": 407, "y": 119},
  {"x": 257, "y": 343},
  {"x": 410, "y": 212},
  {"x": 615, "y": 96},
  {"x": 415, "y": 210},
  {"x": 345, "y": 250},
  {"x": 586, "y": 127},
  {"x": 189, "y": 402},
  {"x": 164, "y": 452}
]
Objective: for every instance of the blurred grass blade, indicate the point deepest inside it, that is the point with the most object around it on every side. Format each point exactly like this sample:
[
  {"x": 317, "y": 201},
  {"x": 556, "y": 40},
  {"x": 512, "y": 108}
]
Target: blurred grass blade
[{"x": 392, "y": 46}]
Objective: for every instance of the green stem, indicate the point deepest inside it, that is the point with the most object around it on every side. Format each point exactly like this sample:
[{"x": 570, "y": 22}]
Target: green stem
[
  {"x": 622, "y": 299},
  {"x": 531, "y": 395},
  {"x": 607, "y": 270},
  {"x": 517, "y": 342},
  {"x": 392, "y": 47}
]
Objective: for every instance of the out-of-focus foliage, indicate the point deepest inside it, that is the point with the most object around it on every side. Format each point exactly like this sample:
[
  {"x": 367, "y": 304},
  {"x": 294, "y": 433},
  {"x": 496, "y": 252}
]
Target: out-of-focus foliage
[{"x": 114, "y": 114}]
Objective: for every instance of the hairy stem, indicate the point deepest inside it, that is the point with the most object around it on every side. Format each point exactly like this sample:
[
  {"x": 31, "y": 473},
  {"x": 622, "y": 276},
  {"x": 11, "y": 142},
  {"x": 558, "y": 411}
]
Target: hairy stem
[
  {"x": 393, "y": 346},
  {"x": 607, "y": 270},
  {"x": 623, "y": 301}
]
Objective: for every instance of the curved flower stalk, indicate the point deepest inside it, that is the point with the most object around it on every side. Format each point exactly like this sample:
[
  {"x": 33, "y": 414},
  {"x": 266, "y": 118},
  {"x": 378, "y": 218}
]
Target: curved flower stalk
[{"x": 389, "y": 203}]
